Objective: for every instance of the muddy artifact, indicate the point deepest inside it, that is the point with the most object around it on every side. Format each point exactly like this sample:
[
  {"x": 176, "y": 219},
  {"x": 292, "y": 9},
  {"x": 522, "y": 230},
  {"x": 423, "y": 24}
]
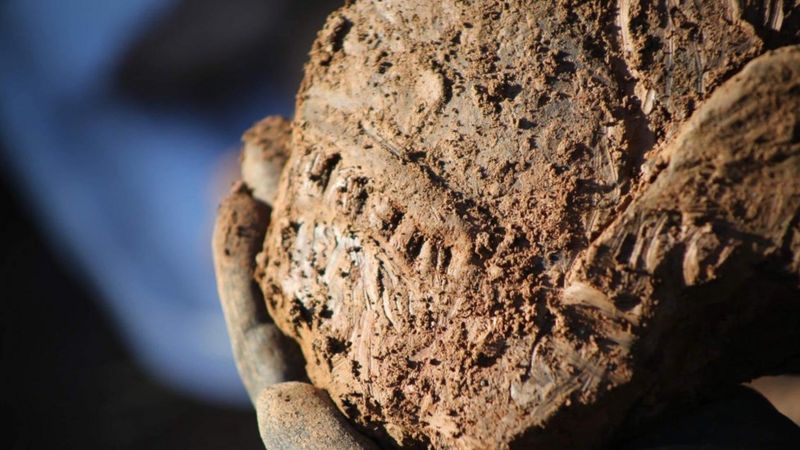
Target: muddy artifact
[{"x": 526, "y": 224}]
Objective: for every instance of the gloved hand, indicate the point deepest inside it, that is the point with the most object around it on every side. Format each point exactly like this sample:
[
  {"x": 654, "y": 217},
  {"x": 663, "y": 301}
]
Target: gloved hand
[
  {"x": 296, "y": 415},
  {"x": 292, "y": 414}
]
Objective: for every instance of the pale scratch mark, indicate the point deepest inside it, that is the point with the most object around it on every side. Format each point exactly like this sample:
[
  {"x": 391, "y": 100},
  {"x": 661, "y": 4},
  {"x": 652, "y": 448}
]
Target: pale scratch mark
[
  {"x": 583, "y": 294},
  {"x": 669, "y": 53},
  {"x": 773, "y": 15}
]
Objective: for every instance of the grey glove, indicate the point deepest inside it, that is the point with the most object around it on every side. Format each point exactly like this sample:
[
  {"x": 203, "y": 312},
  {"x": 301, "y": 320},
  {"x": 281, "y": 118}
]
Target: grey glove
[{"x": 292, "y": 414}]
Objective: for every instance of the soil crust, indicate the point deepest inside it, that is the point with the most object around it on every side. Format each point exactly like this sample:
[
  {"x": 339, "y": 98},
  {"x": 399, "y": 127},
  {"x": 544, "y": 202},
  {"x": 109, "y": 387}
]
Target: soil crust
[{"x": 523, "y": 224}]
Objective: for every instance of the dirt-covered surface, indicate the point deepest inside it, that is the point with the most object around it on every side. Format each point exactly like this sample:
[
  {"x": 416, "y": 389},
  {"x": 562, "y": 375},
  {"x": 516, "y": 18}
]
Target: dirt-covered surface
[{"x": 495, "y": 223}]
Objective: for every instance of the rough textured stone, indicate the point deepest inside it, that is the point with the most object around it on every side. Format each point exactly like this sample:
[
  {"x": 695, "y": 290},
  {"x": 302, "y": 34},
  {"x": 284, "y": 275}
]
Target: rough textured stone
[{"x": 515, "y": 223}]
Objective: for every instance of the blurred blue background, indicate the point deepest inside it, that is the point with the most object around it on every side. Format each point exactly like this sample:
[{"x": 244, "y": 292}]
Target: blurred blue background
[{"x": 119, "y": 133}]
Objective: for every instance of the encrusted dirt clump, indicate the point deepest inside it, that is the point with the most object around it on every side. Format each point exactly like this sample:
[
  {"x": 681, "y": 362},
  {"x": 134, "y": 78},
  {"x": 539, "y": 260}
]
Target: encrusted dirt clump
[{"x": 497, "y": 225}]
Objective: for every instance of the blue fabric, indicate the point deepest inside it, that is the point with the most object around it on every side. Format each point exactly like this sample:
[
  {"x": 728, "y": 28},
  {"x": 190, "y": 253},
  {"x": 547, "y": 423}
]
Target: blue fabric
[{"x": 122, "y": 188}]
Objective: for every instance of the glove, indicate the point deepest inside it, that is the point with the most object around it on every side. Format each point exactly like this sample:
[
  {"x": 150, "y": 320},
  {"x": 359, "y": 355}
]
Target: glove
[{"x": 292, "y": 414}]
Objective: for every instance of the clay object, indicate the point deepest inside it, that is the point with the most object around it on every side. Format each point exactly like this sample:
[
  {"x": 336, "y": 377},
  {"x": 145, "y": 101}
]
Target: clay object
[{"x": 523, "y": 224}]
